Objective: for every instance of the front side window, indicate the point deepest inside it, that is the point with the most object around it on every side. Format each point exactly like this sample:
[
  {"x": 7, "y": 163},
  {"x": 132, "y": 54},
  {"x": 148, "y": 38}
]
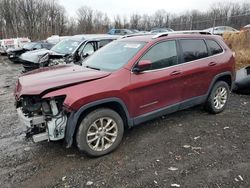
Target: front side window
[
  {"x": 162, "y": 55},
  {"x": 88, "y": 49},
  {"x": 193, "y": 49},
  {"x": 214, "y": 47}
]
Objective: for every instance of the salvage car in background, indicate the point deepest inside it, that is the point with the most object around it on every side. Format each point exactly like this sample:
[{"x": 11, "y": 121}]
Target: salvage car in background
[
  {"x": 13, "y": 54},
  {"x": 13, "y": 43},
  {"x": 220, "y": 30},
  {"x": 71, "y": 50},
  {"x": 6, "y": 44},
  {"x": 120, "y": 32},
  {"x": 161, "y": 30}
]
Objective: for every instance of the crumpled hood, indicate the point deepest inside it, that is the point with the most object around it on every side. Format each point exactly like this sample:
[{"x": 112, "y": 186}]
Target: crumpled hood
[
  {"x": 50, "y": 78},
  {"x": 34, "y": 56}
]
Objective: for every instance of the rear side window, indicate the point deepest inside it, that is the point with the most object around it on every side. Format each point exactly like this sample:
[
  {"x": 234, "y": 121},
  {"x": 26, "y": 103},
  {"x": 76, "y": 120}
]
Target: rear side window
[
  {"x": 193, "y": 49},
  {"x": 162, "y": 55},
  {"x": 214, "y": 47}
]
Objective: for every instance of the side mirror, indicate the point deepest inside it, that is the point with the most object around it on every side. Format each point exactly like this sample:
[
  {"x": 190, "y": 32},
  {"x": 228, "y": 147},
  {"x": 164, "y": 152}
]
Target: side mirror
[{"x": 142, "y": 65}]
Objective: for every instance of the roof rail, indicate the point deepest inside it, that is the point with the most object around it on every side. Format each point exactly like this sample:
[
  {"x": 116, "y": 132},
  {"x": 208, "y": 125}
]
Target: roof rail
[
  {"x": 181, "y": 32},
  {"x": 135, "y": 35}
]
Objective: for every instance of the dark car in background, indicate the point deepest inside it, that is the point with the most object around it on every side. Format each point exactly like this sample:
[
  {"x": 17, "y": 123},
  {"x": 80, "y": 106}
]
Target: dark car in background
[
  {"x": 70, "y": 50},
  {"x": 120, "y": 32},
  {"x": 220, "y": 30},
  {"x": 14, "y": 54},
  {"x": 161, "y": 30}
]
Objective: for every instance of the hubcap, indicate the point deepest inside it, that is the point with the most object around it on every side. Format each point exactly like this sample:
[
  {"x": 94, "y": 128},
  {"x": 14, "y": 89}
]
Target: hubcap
[
  {"x": 220, "y": 98},
  {"x": 102, "y": 134}
]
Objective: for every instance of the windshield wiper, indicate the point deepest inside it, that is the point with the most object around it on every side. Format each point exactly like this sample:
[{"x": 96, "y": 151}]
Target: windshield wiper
[{"x": 92, "y": 67}]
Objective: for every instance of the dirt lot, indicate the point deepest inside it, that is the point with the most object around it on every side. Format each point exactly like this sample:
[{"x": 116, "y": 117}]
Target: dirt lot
[{"x": 190, "y": 148}]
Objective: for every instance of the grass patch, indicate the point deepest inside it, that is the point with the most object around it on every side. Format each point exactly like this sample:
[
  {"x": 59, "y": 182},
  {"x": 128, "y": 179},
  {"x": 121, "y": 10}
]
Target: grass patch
[{"x": 240, "y": 44}]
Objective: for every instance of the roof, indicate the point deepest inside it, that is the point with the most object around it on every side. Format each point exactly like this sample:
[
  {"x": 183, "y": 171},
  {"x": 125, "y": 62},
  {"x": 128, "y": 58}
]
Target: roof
[{"x": 170, "y": 35}]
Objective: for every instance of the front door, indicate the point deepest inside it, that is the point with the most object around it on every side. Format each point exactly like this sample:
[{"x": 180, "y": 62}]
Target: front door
[{"x": 159, "y": 87}]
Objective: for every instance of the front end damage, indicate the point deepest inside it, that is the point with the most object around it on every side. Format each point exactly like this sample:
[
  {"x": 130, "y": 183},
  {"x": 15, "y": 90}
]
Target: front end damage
[{"x": 44, "y": 119}]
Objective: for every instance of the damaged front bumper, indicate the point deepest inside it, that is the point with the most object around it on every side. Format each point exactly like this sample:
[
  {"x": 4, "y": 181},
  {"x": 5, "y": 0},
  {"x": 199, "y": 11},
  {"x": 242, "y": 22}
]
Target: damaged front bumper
[{"x": 42, "y": 127}]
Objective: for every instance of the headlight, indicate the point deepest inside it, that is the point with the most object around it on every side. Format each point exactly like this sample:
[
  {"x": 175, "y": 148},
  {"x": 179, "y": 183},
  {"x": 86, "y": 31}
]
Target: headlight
[
  {"x": 31, "y": 103},
  {"x": 44, "y": 59}
]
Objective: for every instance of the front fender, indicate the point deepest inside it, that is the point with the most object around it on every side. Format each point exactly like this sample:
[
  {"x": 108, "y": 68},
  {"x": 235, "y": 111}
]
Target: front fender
[{"x": 75, "y": 115}]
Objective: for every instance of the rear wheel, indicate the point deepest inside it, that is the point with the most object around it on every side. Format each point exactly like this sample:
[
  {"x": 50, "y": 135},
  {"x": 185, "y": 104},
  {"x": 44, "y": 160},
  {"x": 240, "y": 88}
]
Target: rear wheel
[
  {"x": 218, "y": 97},
  {"x": 100, "y": 132}
]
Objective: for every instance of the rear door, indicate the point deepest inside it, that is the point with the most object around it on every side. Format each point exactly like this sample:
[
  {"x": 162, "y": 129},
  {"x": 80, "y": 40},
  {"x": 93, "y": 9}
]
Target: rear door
[
  {"x": 160, "y": 86},
  {"x": 196, "y": 67}
]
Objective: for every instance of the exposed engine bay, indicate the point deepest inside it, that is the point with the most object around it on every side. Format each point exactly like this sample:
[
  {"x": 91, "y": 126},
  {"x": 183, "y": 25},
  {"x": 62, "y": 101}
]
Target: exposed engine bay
[{"x": 45, "y": 119}]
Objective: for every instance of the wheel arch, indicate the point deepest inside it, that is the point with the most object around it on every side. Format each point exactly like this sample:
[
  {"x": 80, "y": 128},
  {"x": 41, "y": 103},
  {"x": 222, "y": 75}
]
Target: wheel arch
[
  {"x": 225, "y": 76},
  {"x": 115, "y": 104}
]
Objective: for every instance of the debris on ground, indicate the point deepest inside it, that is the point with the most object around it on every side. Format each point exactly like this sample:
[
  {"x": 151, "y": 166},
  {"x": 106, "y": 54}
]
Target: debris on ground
[
  {"x": 27, "y": 149},
  {"x": 63, "y": 178},
  {"x": 197, "y": 137},
  {"x": 89, "y": 183},
  {"x": 187, "y": 146},
  {"x": 175, "y": 185},
  {"x": 172, "y": 168}
]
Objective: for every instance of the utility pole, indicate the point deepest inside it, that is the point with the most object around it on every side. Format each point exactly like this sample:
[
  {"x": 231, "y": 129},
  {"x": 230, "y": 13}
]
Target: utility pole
[
  {"x": 191, "y": 25},
  {"x": 214, "y": 24}
]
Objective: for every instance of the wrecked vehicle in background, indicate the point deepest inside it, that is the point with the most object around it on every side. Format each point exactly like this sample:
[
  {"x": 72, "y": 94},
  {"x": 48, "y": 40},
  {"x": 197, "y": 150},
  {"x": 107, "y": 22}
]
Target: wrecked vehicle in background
[
  {"x": 13, "y": 43},
  {"x": 6, "y": 44},
  {"x": 71, "y": 50},
  {"x": 242, "y": 81},
  {"x": 13, "y": 54},
  {"x": 220, "y": 30}
]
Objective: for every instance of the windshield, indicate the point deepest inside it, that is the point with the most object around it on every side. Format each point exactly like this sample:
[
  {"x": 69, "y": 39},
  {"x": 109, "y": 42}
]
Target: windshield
[
  {"x": 66, "y": 46},
  {"x": 113, "y": 56},
  {"x": 29, "y": 45}
]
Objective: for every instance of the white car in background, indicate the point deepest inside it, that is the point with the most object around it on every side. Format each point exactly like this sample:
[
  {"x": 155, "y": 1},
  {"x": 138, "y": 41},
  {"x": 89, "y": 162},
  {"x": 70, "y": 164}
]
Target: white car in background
[
  {"x": 246, "y": 27},
  {"x": 54, "y": 39},
  {"x": 220, "y": 30},
  {"x": 13, "y": 43}
]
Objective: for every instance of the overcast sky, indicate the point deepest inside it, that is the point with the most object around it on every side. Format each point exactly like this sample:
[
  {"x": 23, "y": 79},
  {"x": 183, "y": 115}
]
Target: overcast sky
[{"x": 128, "y": 7}]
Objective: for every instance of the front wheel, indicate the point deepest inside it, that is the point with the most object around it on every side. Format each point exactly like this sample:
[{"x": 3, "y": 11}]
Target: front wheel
[
  {"x": 218, "y": 97},
  {"x": 100, "y": 132}
]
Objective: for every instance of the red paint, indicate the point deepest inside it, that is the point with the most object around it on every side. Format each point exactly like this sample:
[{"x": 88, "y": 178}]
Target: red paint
[{"x": 141, "y": 93}]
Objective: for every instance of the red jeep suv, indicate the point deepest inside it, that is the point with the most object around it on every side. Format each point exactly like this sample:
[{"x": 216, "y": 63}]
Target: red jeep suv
[{"x": 125, "y": 83}]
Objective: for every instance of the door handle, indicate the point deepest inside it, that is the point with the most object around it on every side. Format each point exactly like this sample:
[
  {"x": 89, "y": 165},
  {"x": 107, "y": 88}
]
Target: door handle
[
  {"x": 212, "y": 64},
  {"x": 174, "y": 73}
]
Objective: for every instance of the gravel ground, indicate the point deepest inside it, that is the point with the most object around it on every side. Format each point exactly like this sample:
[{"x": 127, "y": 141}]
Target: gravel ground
[{"x": 190, "y": 148}]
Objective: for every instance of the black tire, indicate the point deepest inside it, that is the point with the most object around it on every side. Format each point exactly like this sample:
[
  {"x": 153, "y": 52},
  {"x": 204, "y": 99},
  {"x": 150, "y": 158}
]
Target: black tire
[
  {"x": 210, "y": 103},
  {"x": 86, "y": 124}
]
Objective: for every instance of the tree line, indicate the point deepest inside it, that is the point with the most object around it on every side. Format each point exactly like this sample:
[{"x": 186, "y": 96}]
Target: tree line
[{"x": 38, "y": 19}]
